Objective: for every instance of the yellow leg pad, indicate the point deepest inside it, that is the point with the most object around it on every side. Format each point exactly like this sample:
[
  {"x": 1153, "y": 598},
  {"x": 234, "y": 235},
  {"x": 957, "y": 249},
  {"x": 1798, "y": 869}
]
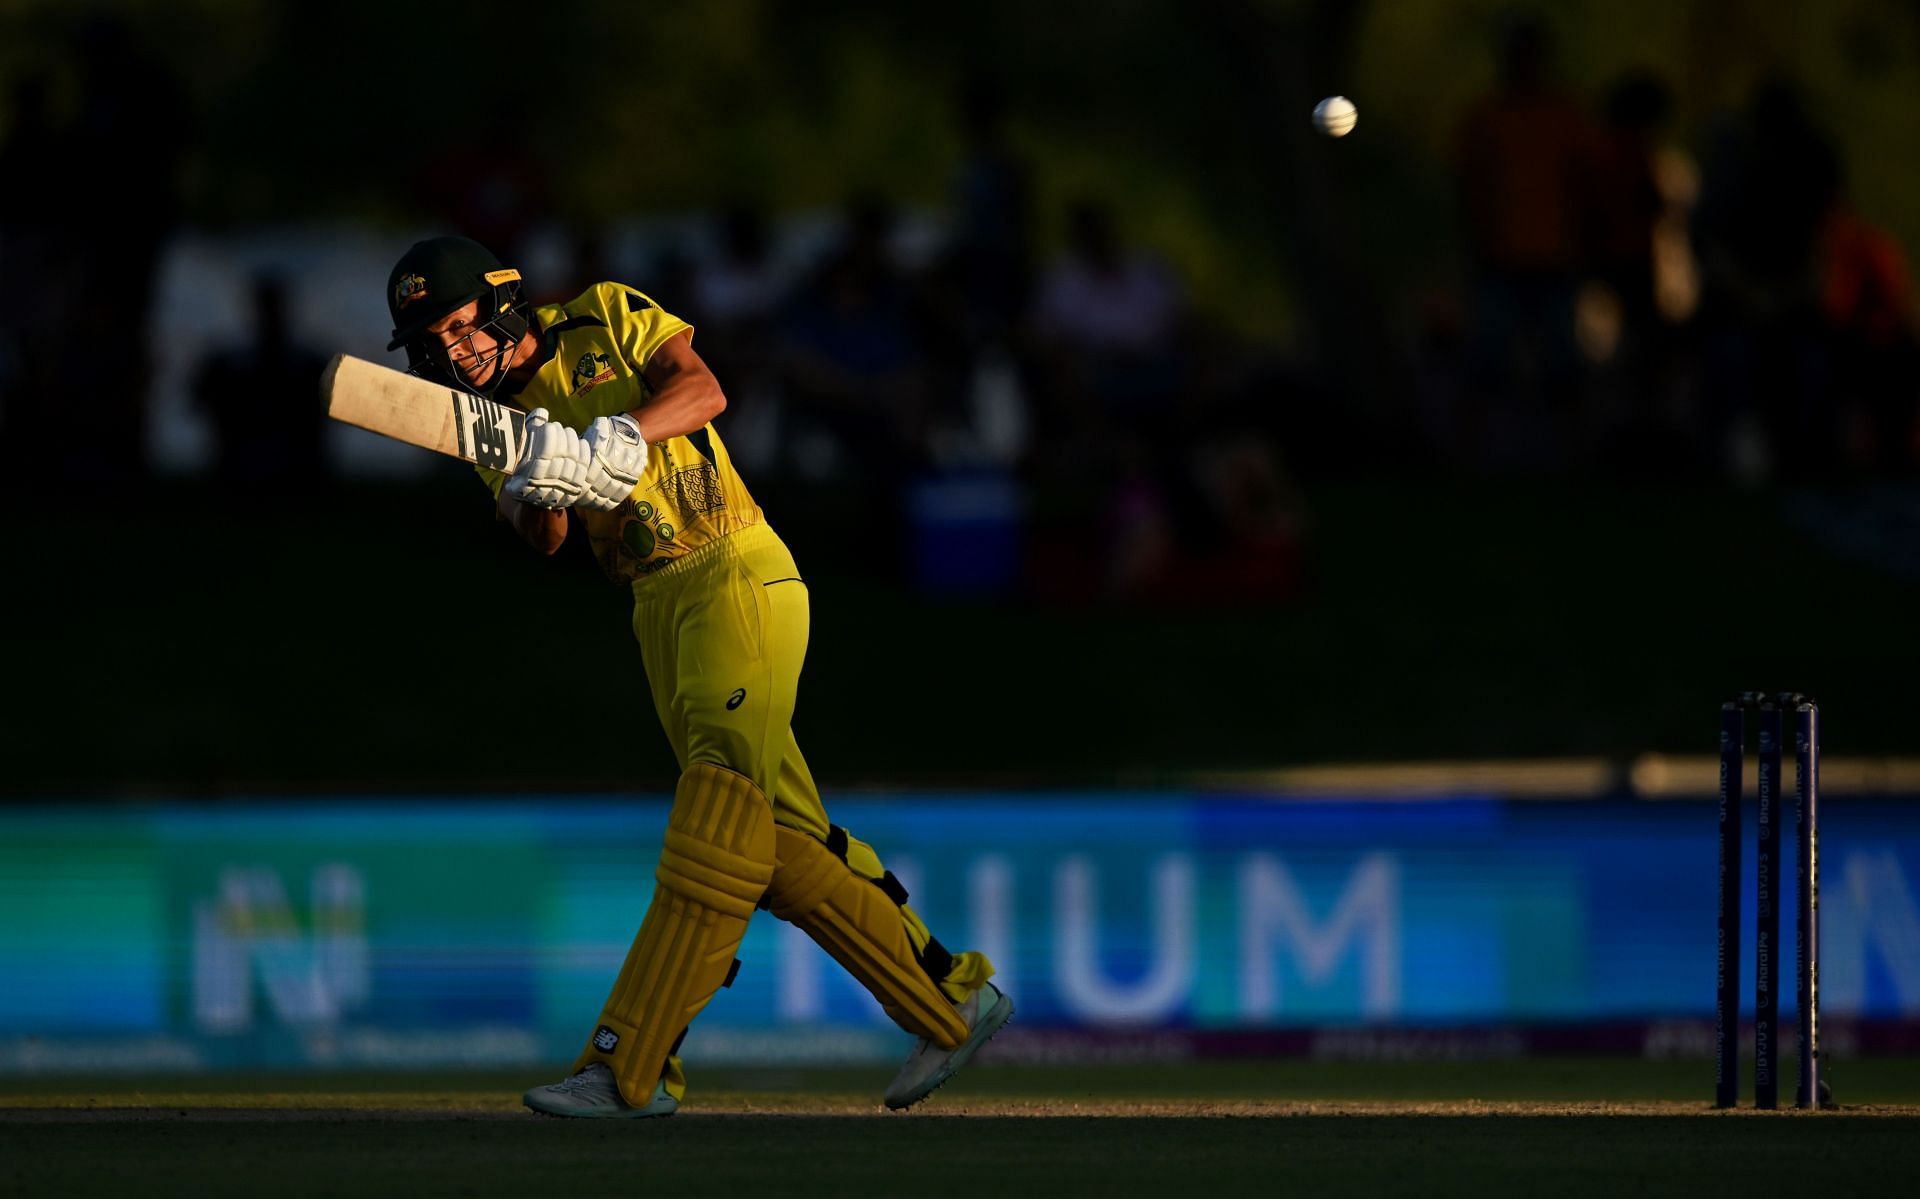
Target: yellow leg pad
[
  {"x": 715, "y": 866},
  {"x": 864, "y": 930}
]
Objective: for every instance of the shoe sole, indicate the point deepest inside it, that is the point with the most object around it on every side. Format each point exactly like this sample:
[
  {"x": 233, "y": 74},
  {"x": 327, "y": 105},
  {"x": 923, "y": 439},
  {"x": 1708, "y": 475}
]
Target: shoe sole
[
  {"x": 997, "y": 1018},
  {"x": 603, "y": 1113},
  {"x": 619, "y": 1114}
]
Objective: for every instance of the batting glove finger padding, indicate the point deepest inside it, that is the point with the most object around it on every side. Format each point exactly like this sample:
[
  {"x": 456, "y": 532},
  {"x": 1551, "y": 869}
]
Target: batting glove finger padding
[
  {"x": 619, "y": 459},
  {"x": 554, "y": 472}
]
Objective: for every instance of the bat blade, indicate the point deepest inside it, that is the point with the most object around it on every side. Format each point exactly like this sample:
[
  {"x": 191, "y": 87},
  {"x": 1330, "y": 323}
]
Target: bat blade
[{"x": 443, "y": 419}]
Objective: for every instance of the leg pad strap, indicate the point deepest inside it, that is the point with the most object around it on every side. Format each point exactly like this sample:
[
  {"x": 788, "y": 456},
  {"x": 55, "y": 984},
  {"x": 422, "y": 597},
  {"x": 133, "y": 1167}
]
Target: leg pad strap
[{"x": 861, "y": 925}]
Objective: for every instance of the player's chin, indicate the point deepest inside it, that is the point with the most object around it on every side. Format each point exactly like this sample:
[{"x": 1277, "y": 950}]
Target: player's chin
[{"x": 475, "y": 374}]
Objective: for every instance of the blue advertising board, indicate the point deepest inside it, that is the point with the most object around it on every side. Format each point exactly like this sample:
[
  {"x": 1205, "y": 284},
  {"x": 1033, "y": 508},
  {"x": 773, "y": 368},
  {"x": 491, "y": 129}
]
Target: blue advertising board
[{"x": 364, "y": 931}]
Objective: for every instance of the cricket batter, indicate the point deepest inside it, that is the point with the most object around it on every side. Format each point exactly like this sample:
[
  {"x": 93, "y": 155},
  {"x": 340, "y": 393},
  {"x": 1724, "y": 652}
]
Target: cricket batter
[{"x": 619, "y": 435}]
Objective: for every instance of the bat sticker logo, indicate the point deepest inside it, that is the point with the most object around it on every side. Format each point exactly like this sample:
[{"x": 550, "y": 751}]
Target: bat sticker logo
[{"x": 490, "y": 434}]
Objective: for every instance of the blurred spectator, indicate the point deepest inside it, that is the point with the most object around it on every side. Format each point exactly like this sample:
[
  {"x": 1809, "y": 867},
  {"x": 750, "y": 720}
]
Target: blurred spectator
[
  {"x": 263, "y": 398},
  {"x": 671, "y": 277},
  {"x": 1868, "y": 309},
  {"x": 1260, "y": 516},
  {"x": 738, "y": 288},
  {"x": 1628, "y": 336},
  {"x": 993, "y": 217},
  {"x": 734, "y": 304},
  {"x": 969, "y": 509},
  {"x": 1625, "y": 198},
  {"x": 583, "y": 259},
  {"x": 1228, "y": 528},
  {"x": 1105, "y": 341},
  {"x": 1108, "y": 319},
  {"x": 1437, "y": 349},
  {"x": 1159, "y": 481},
  {"x": 489, "y": 187},
  {"x": 853, "y": 372},
  {"x": 972, "y": 298},
  {"x": 851, "y": 358},
  {"x": 1769, "y": 179},
  {"x": 736, "y": 296},
  {"x": 1524, "y": 166},
  {"x": 1139, "y": 537}
]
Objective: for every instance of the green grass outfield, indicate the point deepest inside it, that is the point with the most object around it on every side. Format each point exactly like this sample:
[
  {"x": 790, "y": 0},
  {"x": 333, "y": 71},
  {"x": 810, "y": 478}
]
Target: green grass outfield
[{"x": 1568, "y": 1127}]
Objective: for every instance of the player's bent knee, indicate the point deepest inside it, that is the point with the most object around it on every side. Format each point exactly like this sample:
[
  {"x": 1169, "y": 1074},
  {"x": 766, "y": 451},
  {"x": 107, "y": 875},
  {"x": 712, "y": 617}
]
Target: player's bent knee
[
  {"x": 863, "y": 923},
  {"x": 720, "y": 847},
  {"x": 805, "y": 873}
]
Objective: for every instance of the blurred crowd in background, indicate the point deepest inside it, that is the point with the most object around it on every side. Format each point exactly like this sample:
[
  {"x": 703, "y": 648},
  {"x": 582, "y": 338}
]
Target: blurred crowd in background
[
  {"x": 1014, "y": 396},
  {"x": 1641, "y": 305}
]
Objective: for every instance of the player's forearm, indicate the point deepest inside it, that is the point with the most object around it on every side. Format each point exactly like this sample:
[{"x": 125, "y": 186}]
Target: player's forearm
[{"x": 545, "y": 529}]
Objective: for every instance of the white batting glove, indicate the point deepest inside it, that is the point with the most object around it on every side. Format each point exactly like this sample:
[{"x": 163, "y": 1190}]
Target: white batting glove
[
  {"x": 619, "y": 459},
  {"x": 554, "y": 472}
]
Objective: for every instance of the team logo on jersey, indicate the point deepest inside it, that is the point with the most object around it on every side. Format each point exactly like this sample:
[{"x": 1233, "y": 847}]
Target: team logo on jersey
[
  {"x": 605, "y": 1039},
  {"x": 590, "y": 372},
  {"x": 408, "y": 289}
]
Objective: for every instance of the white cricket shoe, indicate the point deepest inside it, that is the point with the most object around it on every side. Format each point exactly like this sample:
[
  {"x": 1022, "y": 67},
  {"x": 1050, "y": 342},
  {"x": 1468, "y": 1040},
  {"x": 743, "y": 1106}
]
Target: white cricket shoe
[
  {"x": 986, "y": 1012},
  {"x": 592, "y": 1093}
]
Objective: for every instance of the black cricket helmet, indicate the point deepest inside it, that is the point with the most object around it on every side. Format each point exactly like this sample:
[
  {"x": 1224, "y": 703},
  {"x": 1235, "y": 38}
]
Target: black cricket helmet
[{"x": 442, "y": 275}]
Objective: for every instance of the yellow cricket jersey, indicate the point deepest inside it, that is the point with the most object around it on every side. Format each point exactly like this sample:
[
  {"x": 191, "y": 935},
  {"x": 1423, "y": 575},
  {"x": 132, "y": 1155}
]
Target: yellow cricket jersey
[{"x": 690, "y": 495}]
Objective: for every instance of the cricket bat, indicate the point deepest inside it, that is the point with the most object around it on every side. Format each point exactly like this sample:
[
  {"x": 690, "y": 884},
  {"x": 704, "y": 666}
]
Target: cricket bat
[{"x": 432, "y": 416}]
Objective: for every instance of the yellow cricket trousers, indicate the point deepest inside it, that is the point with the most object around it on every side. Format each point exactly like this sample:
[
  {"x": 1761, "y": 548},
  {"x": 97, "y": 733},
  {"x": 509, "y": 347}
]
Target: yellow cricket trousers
[{"x": 723, "y": 633}]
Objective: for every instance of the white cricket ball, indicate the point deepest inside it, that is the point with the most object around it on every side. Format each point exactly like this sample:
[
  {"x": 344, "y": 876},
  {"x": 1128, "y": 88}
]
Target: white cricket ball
[{"x": 1335, "y": 116}]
